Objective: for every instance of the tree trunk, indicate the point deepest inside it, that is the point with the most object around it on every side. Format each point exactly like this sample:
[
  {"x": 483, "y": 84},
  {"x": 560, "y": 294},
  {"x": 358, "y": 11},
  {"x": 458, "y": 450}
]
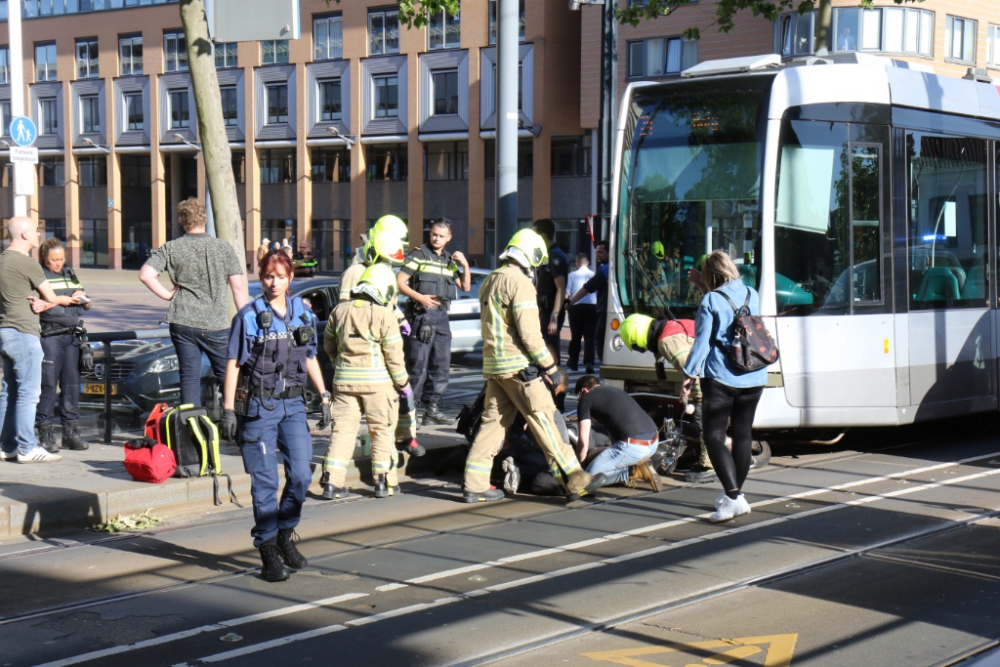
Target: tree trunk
[
  {"x": 214, "y": 142},
  {"x": 824, "y": 24}
]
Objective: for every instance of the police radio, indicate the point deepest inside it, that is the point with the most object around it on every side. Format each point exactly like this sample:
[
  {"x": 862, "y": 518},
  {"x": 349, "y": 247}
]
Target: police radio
[{"x": 265, "y": 318}]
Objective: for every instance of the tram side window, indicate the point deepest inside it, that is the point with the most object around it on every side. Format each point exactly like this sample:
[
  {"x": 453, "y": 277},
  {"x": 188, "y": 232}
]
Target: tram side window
[
  {"x": 827, "y": 235},
  {"x": 948, "y": 218}
]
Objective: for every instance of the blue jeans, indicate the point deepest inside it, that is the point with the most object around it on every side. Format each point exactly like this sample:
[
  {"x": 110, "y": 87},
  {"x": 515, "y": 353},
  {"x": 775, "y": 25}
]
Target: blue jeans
[
  {"x": 615, "y": 460},
  {"x": 19, "y": 390},
  {"x": 189, "y": 343}
]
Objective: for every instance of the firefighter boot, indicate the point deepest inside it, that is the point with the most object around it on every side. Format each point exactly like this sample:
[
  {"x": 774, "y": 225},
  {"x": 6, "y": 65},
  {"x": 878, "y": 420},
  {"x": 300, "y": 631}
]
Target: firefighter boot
[
  {"x": 47, "y": 439},
  {"x": 71, "y": 437},
  {"x": 289, "y": 552},
  {"x": 411, "y": 447},
  {"x": 382, "y": 488},
  {"x": 433, "y": 414},
  {"x": 270, "y": 556}
]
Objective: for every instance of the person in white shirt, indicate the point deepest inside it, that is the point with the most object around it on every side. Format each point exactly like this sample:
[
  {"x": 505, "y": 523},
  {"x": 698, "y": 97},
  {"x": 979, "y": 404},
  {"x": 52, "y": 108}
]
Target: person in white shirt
[{"x": 582, "y": 316}]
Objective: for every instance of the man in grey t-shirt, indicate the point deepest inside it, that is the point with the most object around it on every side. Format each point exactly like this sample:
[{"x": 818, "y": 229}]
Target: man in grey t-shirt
[{"x": 204, "y": 270}]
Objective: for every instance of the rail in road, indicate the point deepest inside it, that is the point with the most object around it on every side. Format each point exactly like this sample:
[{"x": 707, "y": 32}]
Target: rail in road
[{"x": 424, "y": 580}]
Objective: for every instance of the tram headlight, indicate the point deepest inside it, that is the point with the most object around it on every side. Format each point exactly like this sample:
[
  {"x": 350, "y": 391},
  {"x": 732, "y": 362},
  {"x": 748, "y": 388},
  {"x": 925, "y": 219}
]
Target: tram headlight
[{"x": 617, "y": 343}]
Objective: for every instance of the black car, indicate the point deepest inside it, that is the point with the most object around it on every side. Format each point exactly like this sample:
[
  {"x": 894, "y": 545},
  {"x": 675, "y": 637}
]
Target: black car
[{"x": 146, "y": 372}]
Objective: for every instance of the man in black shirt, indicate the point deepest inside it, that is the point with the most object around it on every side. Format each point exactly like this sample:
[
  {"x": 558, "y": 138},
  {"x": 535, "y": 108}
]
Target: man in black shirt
[
  {"x": 633, "y": 434},
  {"x": 551, "y": 286}
]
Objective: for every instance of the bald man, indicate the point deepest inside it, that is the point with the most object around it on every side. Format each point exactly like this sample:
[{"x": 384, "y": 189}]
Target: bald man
[{"x": 23, "y": 288}]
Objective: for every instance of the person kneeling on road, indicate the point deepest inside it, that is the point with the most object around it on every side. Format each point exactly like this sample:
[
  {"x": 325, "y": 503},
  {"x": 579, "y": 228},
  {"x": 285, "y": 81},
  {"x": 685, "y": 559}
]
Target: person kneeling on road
[
  {"x": 272, "y": 348},
  {"x": 363, "y": 340},
  {"x": 633, "y": 434}
]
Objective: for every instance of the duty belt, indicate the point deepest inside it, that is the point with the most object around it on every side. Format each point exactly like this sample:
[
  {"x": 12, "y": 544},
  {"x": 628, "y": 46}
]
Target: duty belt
[{"x": 289, "y": 392}]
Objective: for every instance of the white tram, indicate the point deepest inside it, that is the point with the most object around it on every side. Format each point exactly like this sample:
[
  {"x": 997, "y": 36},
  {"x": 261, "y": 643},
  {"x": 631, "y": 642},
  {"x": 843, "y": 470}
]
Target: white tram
[{"x": 860, "y": 198}]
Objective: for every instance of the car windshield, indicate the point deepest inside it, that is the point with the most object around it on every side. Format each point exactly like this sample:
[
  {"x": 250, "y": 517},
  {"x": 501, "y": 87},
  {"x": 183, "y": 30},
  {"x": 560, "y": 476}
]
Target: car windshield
[{"x": 690, "y": 184}]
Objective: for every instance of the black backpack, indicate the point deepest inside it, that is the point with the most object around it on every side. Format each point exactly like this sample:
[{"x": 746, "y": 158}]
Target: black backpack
[{"x": 752, "y": 347}]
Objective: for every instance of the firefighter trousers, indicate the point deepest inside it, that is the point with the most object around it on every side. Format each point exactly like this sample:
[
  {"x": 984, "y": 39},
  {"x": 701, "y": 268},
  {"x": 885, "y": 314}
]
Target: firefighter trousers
[
  {"x": 505, "y": 397},
  {"x": 381, "y": 409}
]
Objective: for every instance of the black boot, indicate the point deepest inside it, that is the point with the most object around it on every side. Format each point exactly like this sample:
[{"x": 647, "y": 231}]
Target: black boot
[
  {"x": 412, "y": 447},
  {"x": 273, "y": 568},
  {"x": 71, "y": 437},
  {"x": 331, "y": 492},
  {"x": 433, "y": 414},
  {"x": 47, "y": 439},
  {"x": 289, "y": 551}
]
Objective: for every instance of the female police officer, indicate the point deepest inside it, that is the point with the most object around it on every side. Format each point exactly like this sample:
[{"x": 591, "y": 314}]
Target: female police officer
[
  {"x": 61, "y": 366},
  {"x": 272, "y": 348}
]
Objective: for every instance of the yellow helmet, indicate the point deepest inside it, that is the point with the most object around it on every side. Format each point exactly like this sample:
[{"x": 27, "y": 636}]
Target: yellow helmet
[
  {"x": 383, "y": 245},
  {"x": 635, "y": 331},
  {"x": 393, "y": 225},
  {"x": 658, "y": 251},
  {"x": 531, "y": 245},
  {"x": 379, "y": 282}
]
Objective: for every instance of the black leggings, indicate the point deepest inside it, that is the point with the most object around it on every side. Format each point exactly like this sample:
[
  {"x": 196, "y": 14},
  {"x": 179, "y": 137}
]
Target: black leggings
[{"x": 724, "y": 405}]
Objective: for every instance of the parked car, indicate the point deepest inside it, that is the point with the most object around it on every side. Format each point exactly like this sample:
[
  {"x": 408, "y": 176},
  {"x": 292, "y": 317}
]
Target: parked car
[{"x": 466, "y": 332}]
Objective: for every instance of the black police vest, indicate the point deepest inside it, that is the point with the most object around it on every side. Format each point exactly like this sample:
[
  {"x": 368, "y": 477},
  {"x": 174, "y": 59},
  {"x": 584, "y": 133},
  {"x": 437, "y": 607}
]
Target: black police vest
[
  {"x": 435, "y": 275},
  {"x": 63, "y": 284},
  {"x": 275, "y": 354}
]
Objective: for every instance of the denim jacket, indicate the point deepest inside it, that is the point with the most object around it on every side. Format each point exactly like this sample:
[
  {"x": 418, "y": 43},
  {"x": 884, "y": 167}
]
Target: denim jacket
[{"x": 713, "y": 325}]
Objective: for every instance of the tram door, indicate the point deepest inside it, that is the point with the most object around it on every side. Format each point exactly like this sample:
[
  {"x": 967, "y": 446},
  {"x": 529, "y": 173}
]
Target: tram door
[{"x": 950, "y": 327}]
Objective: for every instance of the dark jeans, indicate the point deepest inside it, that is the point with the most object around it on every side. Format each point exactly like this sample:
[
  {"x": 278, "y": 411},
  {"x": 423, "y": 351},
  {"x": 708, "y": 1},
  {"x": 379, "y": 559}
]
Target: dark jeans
[
  {"x": 60, "y": 369},
  {"x": 428, "y": 364},
  {"x": 552, "y": 340},
  {"x": 189, "y": 343},
  {"x": 582, "y": 324},
  {"x": 724, "y": 405},
  {"x": 602, "y": 325}
]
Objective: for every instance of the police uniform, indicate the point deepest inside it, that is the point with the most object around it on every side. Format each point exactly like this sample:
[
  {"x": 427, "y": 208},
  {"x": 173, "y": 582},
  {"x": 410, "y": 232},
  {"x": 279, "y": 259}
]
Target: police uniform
[
  {"x": 546, "y": 274},
  {"x": 428, "y": 364},
  {"x": 61, "y": 367},
  {"x": 514, "y": 356},
  {"x": 272, "y": 363},
  {"x": 365, "y": 344}
]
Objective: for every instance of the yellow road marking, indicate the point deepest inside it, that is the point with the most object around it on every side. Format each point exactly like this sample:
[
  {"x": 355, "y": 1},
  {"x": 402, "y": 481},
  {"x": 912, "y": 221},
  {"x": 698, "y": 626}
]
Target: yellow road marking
[{"x": 779, "y": 651}]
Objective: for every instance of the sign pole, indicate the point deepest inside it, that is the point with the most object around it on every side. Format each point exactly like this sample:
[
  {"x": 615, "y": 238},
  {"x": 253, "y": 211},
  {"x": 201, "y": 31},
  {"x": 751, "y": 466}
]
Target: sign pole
[{"x": 17, "y": 97}]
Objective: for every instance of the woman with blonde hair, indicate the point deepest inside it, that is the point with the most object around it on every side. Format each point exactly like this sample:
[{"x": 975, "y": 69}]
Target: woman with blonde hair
[{"x": 729, "y": 395}]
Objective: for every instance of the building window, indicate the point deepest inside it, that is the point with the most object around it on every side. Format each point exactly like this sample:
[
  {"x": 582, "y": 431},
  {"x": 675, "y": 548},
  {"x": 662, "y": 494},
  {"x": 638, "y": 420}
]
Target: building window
[
  {"x": 225, "y": 55},
  {"x": 383, "y": 32},
  {"x": 180, "y": 117},
  {"x": 5, "y": 118},
  {"x": 274, "y": 51},
  {"x": 175, "y": 51},
  {"x": 4, "y": 65},
  {"x": 45, "y": 62},
  {"x": 277, "y": 103},
  {"x": 445, "y": 83},
  {"x": 993, "y": 38},
  {"x": 331, "y": 165},
  {"x": 87, "y": 59},
  {"x": 571, "y": 156},
  {"x": 135, "y": 120},
  {"x": 655, "y": 57},
  {"x": 386, "y": 96},
  {"x": 239, "y": 169},
  {"x": 885, "y": 29},
  {"x": 51, "y": 172},
  {"x": 277, "y": 165},
  {"x": 443, "y": 30},
  {"x": 93, "y": 171},
  {"x": 387, "y": 162},
  {"x": 130, "y": 50},
  {"x": 90, "y": 112},
  {"x": 525, "y": 158},
  {"x": 230, "y": 109},
  {"x": 48, "y": 116},
  {"x": 93, "y": 242},
  {"x": 960, "y": 40},
  {"x": 446, "y": 160},
  {"x": 328, "y": 36},
  {"x": 493, "y": 22},
  {"x": 329, "y": 100}
]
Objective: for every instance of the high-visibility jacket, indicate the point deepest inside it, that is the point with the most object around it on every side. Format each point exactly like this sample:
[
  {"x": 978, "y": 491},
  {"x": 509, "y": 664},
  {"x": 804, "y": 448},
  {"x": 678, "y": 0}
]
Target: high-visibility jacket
[
  {"x": 512, "y": 335},
  {"x": 432, "y": 274},
  {"x": 63, "y": 284},
  {"x": 365, "y": 345}
]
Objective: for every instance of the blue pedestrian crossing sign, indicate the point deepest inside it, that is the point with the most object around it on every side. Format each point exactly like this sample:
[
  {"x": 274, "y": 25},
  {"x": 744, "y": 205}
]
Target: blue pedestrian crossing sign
[{"x": 23, "y": 131}]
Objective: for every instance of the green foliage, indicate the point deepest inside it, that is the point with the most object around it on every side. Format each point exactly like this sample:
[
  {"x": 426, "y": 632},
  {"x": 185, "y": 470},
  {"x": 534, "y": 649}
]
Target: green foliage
[
  {"x": 413, "y": 13},
  {"x": 128, "y": 522}
]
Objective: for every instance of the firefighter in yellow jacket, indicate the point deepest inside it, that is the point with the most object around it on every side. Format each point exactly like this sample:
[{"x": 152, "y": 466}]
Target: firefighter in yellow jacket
[
  {"x": 363, "y": 339},
  {"x": 518, "y": 369}
]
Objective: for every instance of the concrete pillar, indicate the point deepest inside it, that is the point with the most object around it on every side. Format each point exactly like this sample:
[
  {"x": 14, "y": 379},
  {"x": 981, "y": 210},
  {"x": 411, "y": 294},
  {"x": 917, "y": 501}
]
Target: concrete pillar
[
  {"x": 249, "y": 57},
  {"x": 475, "y": 24},
  {"x": 541, "y": 181},
  {"x": 176, "y": 179},
  {"x": 303, "y": 180},
  {"x": 72, "y": 191},
  {"x": 114, "y": 213}
]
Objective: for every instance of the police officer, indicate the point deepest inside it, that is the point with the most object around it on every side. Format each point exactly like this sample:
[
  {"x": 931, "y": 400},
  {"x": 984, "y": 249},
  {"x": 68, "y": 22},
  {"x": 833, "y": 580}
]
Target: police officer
[
  {"x": 518, "y": 370},
  {"x": 272, "y": 350},
  {"x": 61, "y": 367},
  {"x": 363, "y": 339},
  {"x": 551, "y": 286},
  {"x": 431, "y": 278}
]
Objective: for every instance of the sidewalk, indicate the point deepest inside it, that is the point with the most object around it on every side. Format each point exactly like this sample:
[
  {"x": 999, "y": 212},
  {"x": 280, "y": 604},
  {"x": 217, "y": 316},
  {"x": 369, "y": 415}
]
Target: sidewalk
[{"x": 90, "y": 487}]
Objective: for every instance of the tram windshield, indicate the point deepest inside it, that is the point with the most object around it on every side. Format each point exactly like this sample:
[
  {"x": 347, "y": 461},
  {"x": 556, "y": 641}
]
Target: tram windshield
[{"x": 690, "y": 184}]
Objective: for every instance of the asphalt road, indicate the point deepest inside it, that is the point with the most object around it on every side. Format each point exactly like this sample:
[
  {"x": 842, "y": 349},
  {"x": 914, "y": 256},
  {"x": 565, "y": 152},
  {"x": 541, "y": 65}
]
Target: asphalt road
[{"x": 883, "y": 557}]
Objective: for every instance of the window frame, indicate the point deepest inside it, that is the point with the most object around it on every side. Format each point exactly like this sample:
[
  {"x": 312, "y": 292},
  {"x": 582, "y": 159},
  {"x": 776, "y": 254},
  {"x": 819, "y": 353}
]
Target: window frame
[
  {"x": 447, "y": 71},
  {"x": 5, "y": 118},
  {"x": 236, "y": 105},
  {"x": 491, "y": 22},
  {"x": 224, "y": 49},
  {"x": 667, "y": 48},
  {"x": 4, "y": 64},
  {"x": 949, "y": 39},
  {"x": 92, "y": 64},
  {"x": 176, "y": 123},
  {"x": 275, "y": 50},
  {"x": 383, "y": 12},
  {"x": 126, "y": 108},
  {"x": 375, "y": 92},
  {"x": 276, "y": 87},
  {"x": 48, "y": 123},
  {"x": 130, "y": 69},
  {"x": 179, "y": 45},
  {"x": 50, "y": 67},
  {"x": 327, "y": 49},
  {"x": 89, "y": 104},
  {"x": 993, "y": 45},
  {"x": 321, "y": 99},
  {"x": 446, "y": 20}
]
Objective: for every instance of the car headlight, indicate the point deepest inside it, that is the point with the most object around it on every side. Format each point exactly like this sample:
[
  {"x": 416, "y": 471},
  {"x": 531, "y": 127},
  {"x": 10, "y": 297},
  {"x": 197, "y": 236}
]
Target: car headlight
[
  {"x": 164, "y": 365},
  {"x": 617, "y": 343}
]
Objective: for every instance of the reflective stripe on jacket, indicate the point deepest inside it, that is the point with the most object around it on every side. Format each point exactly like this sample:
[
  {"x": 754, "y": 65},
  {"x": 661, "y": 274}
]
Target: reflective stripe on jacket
[
  {"x": 512, "y": 334},
  {"x": 365, "y": 345}
]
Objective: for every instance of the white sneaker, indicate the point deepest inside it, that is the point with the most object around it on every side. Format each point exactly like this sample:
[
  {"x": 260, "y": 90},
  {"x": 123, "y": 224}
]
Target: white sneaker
[
  {"x": 8, "y": 456},
  {"x": 721, "y": 499},
  {"x": 38, "y": 455},
  {"x": 743, "y": 507},
  {"x": 727, "y": 510}
]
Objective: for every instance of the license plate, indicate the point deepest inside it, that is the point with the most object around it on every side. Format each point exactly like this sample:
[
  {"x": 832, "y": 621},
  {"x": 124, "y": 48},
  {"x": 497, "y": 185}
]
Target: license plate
[{"x": 96, "y": 388}]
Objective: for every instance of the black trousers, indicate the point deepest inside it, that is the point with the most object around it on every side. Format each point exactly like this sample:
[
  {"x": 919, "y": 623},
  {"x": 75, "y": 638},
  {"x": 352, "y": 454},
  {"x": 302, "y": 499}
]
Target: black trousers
[
  {"x": 722, "y": 405},
  {"x": 582, "y": 325},
  {"x": 428, "y": 364},
  {"x": 60, "y": 369}
]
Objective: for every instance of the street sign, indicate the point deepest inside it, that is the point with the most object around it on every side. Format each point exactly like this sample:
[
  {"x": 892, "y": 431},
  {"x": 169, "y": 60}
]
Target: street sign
[
  {"x": 23, "y": 131},
  {"x": 253, "y": 20},
  {"x": 24, "y": 179},
  {"x": 24, "y": 154}
]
